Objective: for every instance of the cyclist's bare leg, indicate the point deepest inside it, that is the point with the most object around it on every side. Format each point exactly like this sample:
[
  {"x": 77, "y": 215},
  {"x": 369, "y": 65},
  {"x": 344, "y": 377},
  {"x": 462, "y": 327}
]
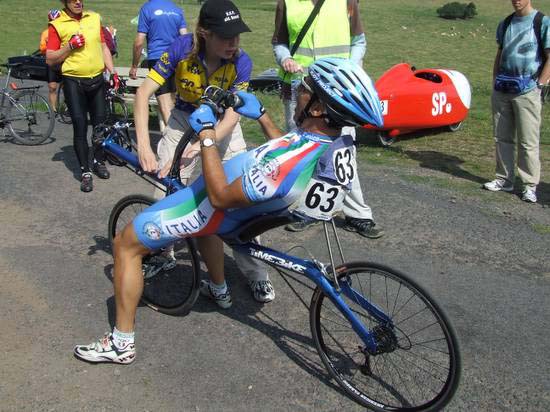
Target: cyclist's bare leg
[
  {"x": 211, "y": 248},
  {"x": 52, "y": 94},
  {"x": 128, "y": 277}
]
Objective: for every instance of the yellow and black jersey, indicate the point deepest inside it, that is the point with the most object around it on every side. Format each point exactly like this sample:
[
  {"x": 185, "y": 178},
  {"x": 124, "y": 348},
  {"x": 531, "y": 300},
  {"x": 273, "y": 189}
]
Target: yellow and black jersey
[{"x": 190, "y": 73}]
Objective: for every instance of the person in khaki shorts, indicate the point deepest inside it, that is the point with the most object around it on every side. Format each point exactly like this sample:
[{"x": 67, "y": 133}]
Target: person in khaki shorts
[
  {"x": 210, "y": 56},
  {"x": 519, "y": 74}
]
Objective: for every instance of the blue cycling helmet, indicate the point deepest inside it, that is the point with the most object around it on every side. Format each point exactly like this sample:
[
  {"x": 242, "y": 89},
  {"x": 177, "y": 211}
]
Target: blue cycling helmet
[{"x": 347, "y": 91}]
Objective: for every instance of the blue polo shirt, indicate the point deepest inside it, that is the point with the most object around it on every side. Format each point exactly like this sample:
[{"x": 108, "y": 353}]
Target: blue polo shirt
[{"x": 161, "y": 21}]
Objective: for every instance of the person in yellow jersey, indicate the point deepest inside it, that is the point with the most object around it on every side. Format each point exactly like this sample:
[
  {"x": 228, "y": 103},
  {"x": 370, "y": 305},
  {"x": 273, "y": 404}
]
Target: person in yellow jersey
[
  {"x": 210, "y": 56},
  {"x": 53, "y": 73},
  {"x": 76, "y": 42},
  {"x": 336, "y": 31}
]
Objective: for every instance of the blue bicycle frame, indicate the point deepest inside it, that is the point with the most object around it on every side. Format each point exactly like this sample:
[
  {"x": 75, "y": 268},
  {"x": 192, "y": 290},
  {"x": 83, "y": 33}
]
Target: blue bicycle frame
[{"x": 312, "y": 270}]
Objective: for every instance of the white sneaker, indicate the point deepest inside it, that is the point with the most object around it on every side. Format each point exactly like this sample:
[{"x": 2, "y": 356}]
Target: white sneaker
[
  {"x": 105, "y": 351},
  {"x": 529, "y": 195},
  {"x": 498, "y": 185},
  {"x": 262, "y": 290},
  {"x": 223, "y": 300}
]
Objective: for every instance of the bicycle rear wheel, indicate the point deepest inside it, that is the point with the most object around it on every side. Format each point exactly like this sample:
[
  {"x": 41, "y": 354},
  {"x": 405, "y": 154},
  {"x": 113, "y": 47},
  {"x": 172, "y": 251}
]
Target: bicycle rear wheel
[
  {"x": 117, "y": 110},
  {"x": 170, "y": 291},
  {"x": 30, "y": 118},
  {"x": 62, "y": 109},
  {"x": 418, "y": 364}
]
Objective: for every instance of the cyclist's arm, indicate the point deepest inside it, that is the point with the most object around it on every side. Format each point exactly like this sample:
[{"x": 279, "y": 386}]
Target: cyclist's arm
[
  {"x": 226, "y": 125},
  {"x": 222, "y": 195},
  {"x": 147, "y": 158},
  {"x": 139, "y": 42},
  {"x": 271, "y": 131},
  {"x": 107, "y": 58},
  {"x": 496, "y": 64},
  {"x": 55, "y": 54}
]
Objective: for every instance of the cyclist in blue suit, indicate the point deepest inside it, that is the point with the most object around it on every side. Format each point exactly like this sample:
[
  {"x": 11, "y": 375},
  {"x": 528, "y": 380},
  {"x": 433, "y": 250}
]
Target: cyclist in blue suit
[{"x": 268, "y": 179}]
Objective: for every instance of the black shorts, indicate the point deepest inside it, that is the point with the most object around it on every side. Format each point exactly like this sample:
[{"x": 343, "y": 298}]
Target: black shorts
[
  {"x": 169, "y": 85},
  {"x": 54, "y": 74}
]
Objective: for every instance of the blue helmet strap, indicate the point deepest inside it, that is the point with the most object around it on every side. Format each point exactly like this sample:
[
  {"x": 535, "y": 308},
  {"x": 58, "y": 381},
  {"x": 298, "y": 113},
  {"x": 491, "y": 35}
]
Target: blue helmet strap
[{"x": 305, "y": 113}]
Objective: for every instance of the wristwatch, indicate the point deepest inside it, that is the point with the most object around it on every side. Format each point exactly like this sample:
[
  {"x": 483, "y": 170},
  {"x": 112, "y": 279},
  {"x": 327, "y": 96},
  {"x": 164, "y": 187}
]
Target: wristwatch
[{"x": 207, "y": 142}]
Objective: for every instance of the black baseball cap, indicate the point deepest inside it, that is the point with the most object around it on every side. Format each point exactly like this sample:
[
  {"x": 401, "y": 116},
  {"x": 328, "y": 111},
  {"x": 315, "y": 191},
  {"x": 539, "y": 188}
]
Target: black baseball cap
[{"x": 223, "y": 18}]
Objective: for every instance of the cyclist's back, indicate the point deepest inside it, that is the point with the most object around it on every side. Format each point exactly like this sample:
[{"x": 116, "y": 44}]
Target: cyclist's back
[{"x": 161, "y": 21}]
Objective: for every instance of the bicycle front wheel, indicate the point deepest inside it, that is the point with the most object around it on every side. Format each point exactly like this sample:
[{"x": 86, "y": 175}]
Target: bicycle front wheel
[
  {"x": 167, "y": 288},
  {"x": 30, "y": 118},
  {"x": 416, "y": 366}
]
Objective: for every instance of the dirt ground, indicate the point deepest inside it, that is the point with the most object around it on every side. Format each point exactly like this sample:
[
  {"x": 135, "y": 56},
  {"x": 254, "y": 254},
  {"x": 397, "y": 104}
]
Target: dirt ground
[{"x": 485, "y": 258}]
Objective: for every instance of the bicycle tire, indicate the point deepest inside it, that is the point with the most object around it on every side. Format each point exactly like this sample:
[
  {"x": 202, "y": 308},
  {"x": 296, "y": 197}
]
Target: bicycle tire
[
  {"x": 116, "y": 110},
  {"x": 172, "y": 292},
  {"x": 30, "y": 118},
  {"x": 422, "y": 372},
  {"x": 62, "y": 109}
]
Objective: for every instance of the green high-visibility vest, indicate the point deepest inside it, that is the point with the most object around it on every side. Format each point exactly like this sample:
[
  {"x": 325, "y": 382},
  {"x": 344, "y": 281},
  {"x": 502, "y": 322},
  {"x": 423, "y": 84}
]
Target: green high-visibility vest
[{"x": 328, "y": 35}]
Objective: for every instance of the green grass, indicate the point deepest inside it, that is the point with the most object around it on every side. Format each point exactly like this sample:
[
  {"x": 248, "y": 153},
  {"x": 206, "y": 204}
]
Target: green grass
[
  {"x": 397, "y": 31},
  {"x": 542, "y": 229}
]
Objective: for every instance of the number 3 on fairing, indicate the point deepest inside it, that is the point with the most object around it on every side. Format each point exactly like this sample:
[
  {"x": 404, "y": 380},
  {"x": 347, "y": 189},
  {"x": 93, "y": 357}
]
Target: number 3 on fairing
[{"x": 344, "y": 165}]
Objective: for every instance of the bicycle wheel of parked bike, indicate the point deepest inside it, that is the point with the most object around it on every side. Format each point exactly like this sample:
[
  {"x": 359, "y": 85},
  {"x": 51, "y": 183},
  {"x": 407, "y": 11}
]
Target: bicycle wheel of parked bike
[
  {"x": 169, "y": 287},
  {"x": 62, "y": 109},
  {"x": 417, "y": 364},
  {"x": 117, "y": 110},
  {"x": 30, "y": 118}
]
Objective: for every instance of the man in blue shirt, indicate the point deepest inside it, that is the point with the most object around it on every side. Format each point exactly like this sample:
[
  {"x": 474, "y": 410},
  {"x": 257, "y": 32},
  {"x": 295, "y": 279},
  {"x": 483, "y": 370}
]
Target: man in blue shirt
[
  {"x": 159, "y": 23},
  {"x": 519, "y": 73}
]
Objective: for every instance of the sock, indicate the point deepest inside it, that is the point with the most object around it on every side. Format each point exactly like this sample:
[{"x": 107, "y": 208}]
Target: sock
[
  {"x": 218, "y": 290},
  {"x": 122, "y": 339}
]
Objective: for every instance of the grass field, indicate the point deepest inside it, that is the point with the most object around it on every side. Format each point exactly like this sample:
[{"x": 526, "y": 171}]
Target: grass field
[{"x": 397, "y": 31}]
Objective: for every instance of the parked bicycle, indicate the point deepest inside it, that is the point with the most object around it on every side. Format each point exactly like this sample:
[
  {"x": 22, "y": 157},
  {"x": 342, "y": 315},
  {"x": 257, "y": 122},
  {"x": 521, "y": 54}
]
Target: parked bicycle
[
  {"x": 116, "y": 108},
  {"x": 380, "y": 335},
  {"x": 24, "y": 112}
]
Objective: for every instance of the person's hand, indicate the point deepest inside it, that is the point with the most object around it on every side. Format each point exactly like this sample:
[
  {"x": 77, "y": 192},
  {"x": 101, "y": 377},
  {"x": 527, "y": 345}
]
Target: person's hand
[
  {"x": 115, "y": 81},
  {"x": 133, "y": 73},
  {"x": 147, "y": 160},
  {"x": 289, "y": 65},
  {"x": 76, "y": 41},
  {"x": 251, "y": 107},
  {"x": 202, "y": 119}
]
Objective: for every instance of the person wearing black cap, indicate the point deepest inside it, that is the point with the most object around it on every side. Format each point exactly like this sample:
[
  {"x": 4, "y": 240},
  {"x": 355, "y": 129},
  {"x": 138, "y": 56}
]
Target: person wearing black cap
[{"x": 210, "y": 56}]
